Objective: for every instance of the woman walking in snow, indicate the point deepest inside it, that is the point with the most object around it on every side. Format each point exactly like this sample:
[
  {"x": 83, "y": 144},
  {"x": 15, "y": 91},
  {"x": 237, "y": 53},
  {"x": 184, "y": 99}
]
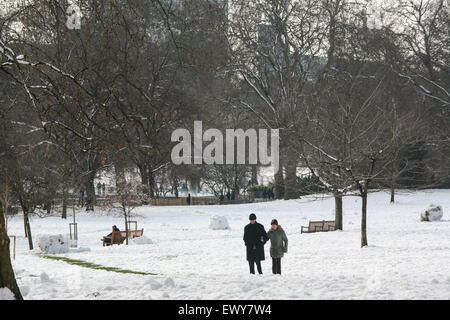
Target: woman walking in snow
[{"x": 278, "y": 245}]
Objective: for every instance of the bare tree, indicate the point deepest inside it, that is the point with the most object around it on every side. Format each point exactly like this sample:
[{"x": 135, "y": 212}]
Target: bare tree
[
  {"x": 423, "y": 29},
  {"x": 127, "y": 197},
  {"x": 275, "y": 49}
]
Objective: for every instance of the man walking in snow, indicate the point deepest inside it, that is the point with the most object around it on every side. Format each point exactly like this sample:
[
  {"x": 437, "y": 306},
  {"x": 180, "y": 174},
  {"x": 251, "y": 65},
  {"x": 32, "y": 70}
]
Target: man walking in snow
[{"x": 255, "y": 237}]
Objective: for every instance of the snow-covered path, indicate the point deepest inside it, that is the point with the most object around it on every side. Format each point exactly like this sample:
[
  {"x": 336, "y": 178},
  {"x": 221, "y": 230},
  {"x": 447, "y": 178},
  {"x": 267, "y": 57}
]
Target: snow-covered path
[{"x": 406, "y": 258}]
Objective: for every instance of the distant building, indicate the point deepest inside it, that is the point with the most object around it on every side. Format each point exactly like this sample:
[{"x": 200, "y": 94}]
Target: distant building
[{"x": 270, "y": 49}]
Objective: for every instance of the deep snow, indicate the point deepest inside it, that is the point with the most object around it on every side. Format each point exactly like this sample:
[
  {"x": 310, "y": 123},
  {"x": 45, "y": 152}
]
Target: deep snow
[{"x": 405, "y": 259}]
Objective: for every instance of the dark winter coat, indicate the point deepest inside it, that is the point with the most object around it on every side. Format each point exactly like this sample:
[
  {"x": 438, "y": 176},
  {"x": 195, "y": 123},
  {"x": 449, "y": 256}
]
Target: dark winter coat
[
  {"x": 253, "y": 234},
  {"x": 278, "y": 242},
  {"x": 108, "y": 237}
]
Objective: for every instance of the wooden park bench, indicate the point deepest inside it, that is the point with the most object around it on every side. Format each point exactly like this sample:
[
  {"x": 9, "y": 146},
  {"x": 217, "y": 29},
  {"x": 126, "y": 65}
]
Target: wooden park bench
[
  {"x": 318, "y": 226},
  {"x": 118, "y": 237}
]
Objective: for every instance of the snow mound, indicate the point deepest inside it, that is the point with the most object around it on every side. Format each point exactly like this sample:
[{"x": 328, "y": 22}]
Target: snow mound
[
  {"x": 53, "y": 244},
  {"x": 24, "y": 290},
  {"x": 80, "y": 249},
  {"x": 6, "y": 294},
  {"x": 169, "y": 282},
  {"x": 154, "y": 285},
  {"x": 218, "y": 223},
  {"x": 432, "y": 213},
  {"x": 141, "y": 240},
  {"x": 44, "y": 277}
]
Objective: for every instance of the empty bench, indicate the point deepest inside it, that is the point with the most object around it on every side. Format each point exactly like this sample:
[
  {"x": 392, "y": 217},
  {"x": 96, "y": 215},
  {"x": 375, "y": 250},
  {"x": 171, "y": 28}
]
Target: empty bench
[
  {"x": 318, "y": 226},
  {"x": 118, "y": 237}
]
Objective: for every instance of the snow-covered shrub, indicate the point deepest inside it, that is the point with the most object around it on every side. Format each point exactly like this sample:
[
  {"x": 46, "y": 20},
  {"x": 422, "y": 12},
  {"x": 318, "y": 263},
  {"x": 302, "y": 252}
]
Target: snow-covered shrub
[
  {"x": 432, "y": 213},
  {"x": 218, "y": 223},
  {"x": 53, "y": 244},
  {"x": 141, "y": 240},
  {"x": 6, "y": 294}
]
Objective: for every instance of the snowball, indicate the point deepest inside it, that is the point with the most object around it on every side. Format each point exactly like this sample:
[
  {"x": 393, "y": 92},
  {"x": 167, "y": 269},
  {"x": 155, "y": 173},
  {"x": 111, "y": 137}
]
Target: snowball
[
  {"x": 169, "y": 282},
  {"x": 44, "y": 277},
  {"x": 53, "y": 244},
  {"x": 6, "y": 294},
  {"x": 218, "y": 223},
  {"x": 154, "y": 285},
  {"x": 432, "y": 213},
  {"x": 24, "y": 290},
  {"x": 141, "y": 240}
]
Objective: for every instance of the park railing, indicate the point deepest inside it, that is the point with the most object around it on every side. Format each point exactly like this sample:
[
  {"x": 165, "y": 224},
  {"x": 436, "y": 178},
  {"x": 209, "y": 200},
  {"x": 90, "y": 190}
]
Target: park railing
[{"x": 198, "y": 201}]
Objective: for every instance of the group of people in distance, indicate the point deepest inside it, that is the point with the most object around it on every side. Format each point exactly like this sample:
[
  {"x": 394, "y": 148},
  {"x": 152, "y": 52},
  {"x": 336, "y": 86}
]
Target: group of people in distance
[
  {"x": 84, "y": 199},
  {"x": 255, "y": 237}
]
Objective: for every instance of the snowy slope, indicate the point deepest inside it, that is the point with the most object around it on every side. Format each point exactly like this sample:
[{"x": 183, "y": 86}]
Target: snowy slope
[{"x": 406, "y": 258}]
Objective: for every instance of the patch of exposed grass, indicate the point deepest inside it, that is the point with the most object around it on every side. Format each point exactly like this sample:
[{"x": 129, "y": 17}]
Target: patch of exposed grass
[{"x": 94, "y": 266}]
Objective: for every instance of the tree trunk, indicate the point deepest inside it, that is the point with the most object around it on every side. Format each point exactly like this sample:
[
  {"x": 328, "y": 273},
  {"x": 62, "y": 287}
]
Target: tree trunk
[
  {"x": 27, "y": 226},
  {"x": 290, "y": 190},
  {"x": 364, "y": 217},
  {"x": 90, "y": 189},
  {"x": 254, "y": 179},
  {"x": 338, "y": 212},
  {"x": 7, "y": 277},
  {"x": 393, "y": 182},
  {"x": 151, "y": 183},
  {"x": 279, "y": 183},
  {"x": 126, "y": 222},
  {"x": 64, "y": 203},
  {"x": 120, "y": 191},
  {"x": 24, "y": 224},
  {"x": 144, "y": 178}
]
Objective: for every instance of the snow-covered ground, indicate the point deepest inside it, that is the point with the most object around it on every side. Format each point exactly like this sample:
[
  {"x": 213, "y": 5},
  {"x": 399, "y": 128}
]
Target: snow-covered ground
[{"x": 405, "y": 259}]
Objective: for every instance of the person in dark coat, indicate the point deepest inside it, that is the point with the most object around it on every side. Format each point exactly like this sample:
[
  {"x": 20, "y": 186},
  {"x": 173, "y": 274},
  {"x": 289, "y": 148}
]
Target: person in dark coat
[
  {"x": 108, "y": 237},
  {"x": 81, "y": 196},
  {"x": 188, "y": 199},
  {"x": 255, "y": 237},
  {"x": 278, "y": 245}
]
